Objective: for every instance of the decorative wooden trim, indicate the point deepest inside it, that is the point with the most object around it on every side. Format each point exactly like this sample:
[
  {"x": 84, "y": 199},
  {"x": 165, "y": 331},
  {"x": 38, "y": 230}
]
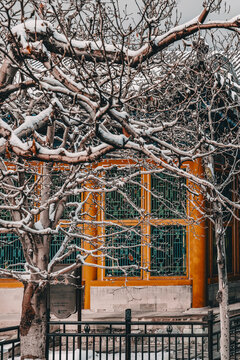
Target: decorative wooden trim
[
  {"x": 10, "y": 283},
  {"x": 129, "y": 282}
]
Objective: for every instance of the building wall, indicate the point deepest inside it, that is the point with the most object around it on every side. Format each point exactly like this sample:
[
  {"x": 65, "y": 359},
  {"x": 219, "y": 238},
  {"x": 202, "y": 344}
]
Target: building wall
[
  {"x": 10, "y": 306},
  {"x": 176, "y": 293},
  {"x": 233, "y": 291},
  {"x": 141, "y": 298},
  {"x": 116, "y": 299}
]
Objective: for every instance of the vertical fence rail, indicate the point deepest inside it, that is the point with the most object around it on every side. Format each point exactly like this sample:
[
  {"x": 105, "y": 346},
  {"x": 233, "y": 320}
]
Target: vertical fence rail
[
  {"x": 210, "y": 335},
  {"x": 128, "y": 319},
  {"x": 48, "y": 321},
  {"x": 8, "y": 342}
]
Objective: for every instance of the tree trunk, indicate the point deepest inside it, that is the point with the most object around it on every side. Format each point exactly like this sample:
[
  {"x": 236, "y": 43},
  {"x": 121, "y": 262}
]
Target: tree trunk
[
  {"x": 33, "y": 325},
  {"x": 222, "y": 295}
]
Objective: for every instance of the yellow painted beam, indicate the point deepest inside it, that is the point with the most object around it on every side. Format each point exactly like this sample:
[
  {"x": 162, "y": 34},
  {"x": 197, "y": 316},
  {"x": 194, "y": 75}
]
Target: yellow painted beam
[
  {"x": 198, "y": 243},
  {"x": 89, "y": 273}
]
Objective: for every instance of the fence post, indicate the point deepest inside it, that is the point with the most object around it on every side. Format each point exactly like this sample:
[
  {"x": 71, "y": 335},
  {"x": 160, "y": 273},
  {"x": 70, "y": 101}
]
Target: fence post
[
  {"x": 128, "y": 318},
  {"x": 79, "y": 304},
  {"x": 210, "y": 335},
  {"x": 48, "y": 320}
]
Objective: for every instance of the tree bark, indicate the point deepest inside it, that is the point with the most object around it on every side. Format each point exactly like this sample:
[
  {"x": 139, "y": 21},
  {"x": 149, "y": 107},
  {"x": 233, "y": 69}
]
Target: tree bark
[
  {"x": 222, "y": 295},
  {"x": 33, "y": 325}
]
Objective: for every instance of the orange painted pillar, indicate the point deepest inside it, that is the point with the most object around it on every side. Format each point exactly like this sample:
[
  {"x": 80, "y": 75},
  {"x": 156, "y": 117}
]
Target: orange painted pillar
[
  {"x": 89, "y": 272},
  {"x": 198, "y": 242}
]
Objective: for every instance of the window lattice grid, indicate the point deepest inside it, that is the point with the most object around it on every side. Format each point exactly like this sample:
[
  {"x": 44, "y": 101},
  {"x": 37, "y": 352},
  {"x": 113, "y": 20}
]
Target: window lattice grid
[
  {"x": 11, "y": 254},
  {"x": 168, "y": 197},
  {"x": 30, "y": 191},
  {"x": 4, "y": 201},
  {"x": 123, "y": 249},
  {"x": 5, "y": 214},
  {"x": 118, "y": 206},
  {"x": 57, "y": 181},
  {"x": 57, "y": 241},
  {"x": 33, "y": 195},
  {"x": 168, "y": 250},
  {"x": 11, "y": 250}
]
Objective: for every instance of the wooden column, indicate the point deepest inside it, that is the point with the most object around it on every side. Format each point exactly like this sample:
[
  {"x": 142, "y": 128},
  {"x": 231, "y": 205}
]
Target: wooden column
[
  {"x": 198, "y": 242},
  {"x": 89, "y": 273}
]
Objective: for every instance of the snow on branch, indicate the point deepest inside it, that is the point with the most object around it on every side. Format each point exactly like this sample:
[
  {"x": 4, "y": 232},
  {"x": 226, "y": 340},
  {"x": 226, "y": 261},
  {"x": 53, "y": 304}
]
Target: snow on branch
[
  {"x": 101, "y": 51},
  {"x": 32, "y": 123}
]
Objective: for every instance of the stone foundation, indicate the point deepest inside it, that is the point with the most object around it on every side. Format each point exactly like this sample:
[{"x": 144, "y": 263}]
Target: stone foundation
[
  {"x": 234, "y": 293},
  {"x": 141, "y": 298}
]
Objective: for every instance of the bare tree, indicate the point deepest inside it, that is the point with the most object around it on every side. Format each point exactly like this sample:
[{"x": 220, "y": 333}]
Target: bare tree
[{"x": 81, "y": 80}]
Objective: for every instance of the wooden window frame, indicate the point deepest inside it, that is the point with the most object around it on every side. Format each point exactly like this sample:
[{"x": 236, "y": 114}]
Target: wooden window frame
[{"x": 145, "y": 222}]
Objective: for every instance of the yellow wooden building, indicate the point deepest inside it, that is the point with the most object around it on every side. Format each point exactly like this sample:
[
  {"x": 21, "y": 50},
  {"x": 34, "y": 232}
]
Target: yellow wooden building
[{"x": 161, "y": 260}]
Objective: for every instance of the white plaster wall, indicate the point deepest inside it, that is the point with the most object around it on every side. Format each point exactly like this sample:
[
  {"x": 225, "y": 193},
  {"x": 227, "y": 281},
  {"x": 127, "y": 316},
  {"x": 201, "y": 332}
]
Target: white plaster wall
[
  {"x": 10, "y": 300},
  {"x": 109, "y": 299},
  {"x": 141, "y": 298},
  {"x": 10, "y": 306}
]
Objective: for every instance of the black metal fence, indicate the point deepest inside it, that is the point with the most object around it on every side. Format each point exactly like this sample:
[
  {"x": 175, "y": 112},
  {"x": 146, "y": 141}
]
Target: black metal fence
[
  {"x": 9, "y": 342},
  {"x": 131, "y": 340},
  {"x": 234, "y": 336}
]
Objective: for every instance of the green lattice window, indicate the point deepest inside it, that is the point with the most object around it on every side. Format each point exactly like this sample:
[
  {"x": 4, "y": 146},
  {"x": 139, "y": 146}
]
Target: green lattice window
[
  {"x": 32, "y": 197},
  {"x": 168, "y": 250},
  {"x": 11, "y": 252},
  {"x": 123, "y": 249},
  {"x": 56, "y": 243},
  {"x": 33, "y": 194},
  {"x": 117, "y": 205},
  {"x": 168, "y": 199},
  {"x": 58, "y": 179},
  {"x": 4, "y": 201},
  {"x": 229, "y": 250},
  {"x": 4, "y": 214}
]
